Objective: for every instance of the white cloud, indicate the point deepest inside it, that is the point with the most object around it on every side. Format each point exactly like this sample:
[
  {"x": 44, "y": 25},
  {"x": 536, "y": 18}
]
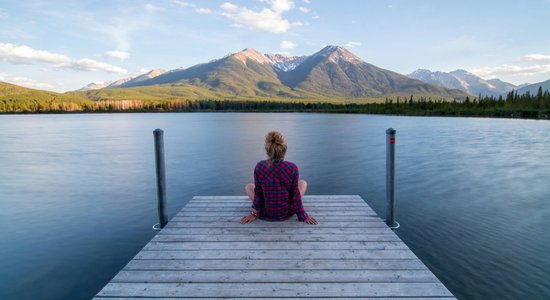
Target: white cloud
[
  {"x": 390, "y": 6},
  {"x": 304, "y": 9},
  {"x": 307, "y": 1},
  {"x": 287, "y": 45},
  {"x": 202, "y": 10},
  {"x": 315, "y": 17},
  {"x": 117, "y": 54},
  {"x": 280, "y": 6},
  {"x": 183, "y": 4},
  {"x": 142, "y": 71},
  {"x": 492, "y": 72},
  {"x": 229, "y": 7},
  {"x": 522, "y": 67},
  {"x": 90, "y": 65},
  {"x": 3, "y": 14},
  {"x": 21, "y": 54},
  {"x": 538, "y": 58},
  {"x": 353, "y": 44},
  {"x": 267, "y": 19},
  {"x": 153, "y": 8}
]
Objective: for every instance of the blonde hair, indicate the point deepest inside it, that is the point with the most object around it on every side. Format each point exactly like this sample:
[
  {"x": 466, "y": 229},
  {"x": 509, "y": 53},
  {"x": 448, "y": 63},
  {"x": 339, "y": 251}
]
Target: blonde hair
[{"x": 275, "y": 146}]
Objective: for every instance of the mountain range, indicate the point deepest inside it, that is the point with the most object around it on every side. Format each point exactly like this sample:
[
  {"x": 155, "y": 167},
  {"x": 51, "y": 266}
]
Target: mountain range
[
  {"x": 465, "y": 81},
  {"x": 124, "y": 82},
  {"x": 332, "y": 72},
  {"x": 533, "y": 88}
]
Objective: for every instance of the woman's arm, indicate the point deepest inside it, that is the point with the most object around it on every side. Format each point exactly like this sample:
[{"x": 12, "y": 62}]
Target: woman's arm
[
  {"x": 296, "y": 199},
  {"x": 258, "y": 202}
]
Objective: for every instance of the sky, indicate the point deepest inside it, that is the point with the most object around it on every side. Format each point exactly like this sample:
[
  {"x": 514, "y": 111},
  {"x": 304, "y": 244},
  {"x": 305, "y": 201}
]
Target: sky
[{"x": 64, "y": 45}]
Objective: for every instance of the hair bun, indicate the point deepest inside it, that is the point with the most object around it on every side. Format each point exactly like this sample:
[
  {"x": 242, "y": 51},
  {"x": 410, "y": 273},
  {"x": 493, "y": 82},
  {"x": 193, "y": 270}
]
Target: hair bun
[
  {"x": 275, "y": 137},
  {"x": 275, "y": 145}
]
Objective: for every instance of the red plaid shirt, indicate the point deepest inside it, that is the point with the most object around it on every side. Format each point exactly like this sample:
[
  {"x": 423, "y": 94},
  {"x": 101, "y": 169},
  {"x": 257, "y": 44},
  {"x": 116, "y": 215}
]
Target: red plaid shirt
[{"x": 276, "y": 193}]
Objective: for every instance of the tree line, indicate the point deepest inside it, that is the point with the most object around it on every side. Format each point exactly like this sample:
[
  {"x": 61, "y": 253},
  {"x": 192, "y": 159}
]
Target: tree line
[{"x": 513, "y": 105}]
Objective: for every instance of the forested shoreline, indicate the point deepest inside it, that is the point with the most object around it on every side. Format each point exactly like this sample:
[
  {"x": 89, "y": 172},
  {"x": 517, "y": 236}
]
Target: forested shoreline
[{"x": 512, "y": 106}]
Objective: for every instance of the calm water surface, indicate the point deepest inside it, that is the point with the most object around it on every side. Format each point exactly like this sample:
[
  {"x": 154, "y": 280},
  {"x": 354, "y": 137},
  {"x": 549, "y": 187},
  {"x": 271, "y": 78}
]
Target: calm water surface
[{"x": 78, "y": 197}]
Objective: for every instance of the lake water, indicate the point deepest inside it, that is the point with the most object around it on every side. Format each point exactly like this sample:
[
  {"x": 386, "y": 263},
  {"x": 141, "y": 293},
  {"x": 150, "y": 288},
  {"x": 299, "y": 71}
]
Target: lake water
[{"x": 78, "y": 194}]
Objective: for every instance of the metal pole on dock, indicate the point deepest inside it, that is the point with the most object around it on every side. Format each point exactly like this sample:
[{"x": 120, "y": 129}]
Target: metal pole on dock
[
  {"x": 161, "y": 177},
  {"x": 390, "y": 179}
]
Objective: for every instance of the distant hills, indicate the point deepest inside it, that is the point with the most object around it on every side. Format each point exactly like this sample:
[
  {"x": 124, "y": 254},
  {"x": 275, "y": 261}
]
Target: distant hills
[
  {"x": 10, "y": 91},
  {"x": 533, "y": 88},
  {"x": 465, "y": 81},
  {"x": 124, "y": 82},
  {"x": 332, "y": 72}
]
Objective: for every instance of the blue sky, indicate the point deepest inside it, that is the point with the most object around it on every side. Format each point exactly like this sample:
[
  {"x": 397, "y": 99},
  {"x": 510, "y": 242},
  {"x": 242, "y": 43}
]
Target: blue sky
[{"x": 64, "y": 45}]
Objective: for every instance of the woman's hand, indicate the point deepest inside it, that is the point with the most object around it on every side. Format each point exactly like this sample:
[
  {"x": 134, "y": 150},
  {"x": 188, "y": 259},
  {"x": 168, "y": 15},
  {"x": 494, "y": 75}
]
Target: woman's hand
[
  {"x": 248, "y": 219},
  {"x": 311, "y": 220}
]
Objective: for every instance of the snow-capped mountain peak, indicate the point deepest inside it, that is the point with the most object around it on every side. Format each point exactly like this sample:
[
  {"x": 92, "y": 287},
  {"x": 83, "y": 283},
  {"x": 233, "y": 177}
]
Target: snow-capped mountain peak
[
  {"x": 123, "y": 81},
  {"x": 285, "y": 63},
  {"x": 337, "y": 53},
  {"x": 250, "y": 54},
  {"x": 119, "y": 82},
  {"x": 95, "y": 86},
  {"x": 465, "y": 81}
]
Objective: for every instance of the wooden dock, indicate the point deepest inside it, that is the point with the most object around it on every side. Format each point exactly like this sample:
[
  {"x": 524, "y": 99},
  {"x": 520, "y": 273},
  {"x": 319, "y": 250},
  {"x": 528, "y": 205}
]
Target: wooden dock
[{"x": 204, "y": 252}]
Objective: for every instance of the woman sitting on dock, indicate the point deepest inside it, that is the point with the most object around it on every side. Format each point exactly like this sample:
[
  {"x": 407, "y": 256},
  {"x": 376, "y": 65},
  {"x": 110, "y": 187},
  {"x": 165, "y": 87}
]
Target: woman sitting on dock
[{"x": 277, "y": 192}]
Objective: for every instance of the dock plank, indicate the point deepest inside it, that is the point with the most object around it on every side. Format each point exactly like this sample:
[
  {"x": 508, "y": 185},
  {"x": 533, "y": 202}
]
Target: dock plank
[
  {"x": 282, "y": 264},
  {"x": 274, "y": 245},
  {"x": 275, "y": 276},
  {"x": 204, "y": 252},
  {"x": 258, "y": 290},
  {"x": 280, "y": 230},
  {"x": 275, "y": 238}
]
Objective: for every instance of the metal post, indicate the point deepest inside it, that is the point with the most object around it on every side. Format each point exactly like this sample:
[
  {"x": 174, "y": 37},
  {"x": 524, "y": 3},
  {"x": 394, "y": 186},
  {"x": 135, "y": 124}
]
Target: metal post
[
  {"x": 161, "y": 177},
  {"x": 390, "y": 179}
]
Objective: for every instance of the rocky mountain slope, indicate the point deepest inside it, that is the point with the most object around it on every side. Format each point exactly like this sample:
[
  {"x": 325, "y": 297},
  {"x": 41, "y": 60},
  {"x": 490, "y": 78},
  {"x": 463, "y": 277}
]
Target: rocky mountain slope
[
  {"x": 534, "y": 88},
  {"x": 464, "y": 81},
  {"x": 124, "y": 82}
]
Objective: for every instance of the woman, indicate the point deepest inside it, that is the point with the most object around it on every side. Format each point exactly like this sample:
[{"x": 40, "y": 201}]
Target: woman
[{"x": 277, "y": 192}]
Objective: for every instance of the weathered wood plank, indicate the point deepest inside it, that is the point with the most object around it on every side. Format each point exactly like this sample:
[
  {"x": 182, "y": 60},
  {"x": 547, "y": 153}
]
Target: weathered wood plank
[
  {"x": 276, "y": 238},
  {"x": 256, "y": 231},
  {"x": 279, "y": 290},
  {"x": 281, "y": 264},
  {"x": 276, "y": 276},
  {"x": 247, "y": 204},
  {"x": 275, "y": 254},
  {"x": 288, "y": 223},
  {"x": 246, "y": 211},
  {"x": 306, "y": 197},
  {"x": 255, "y": 245},
  {"x": 201, "y": 219},
  {"x": 268, "y": 298}
]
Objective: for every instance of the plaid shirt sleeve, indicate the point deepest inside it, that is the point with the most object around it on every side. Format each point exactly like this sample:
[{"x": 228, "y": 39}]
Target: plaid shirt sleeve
[
  {"x": 258, "y": 192},
  {"x": 296, "y": 198}
]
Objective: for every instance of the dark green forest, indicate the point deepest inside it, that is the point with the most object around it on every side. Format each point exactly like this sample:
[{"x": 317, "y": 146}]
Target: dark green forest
[{"x": 513, "y": 105}]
